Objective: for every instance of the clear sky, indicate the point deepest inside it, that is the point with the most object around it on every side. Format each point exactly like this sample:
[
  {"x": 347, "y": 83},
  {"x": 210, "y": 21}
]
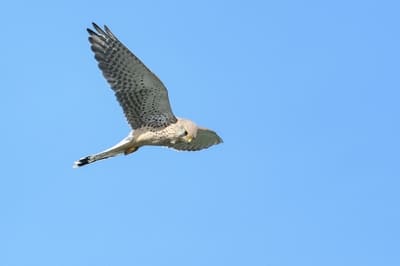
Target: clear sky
[{"x": 305, "y": 95}]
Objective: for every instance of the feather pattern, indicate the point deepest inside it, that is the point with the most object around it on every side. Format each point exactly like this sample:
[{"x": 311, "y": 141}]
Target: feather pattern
[
  {"x": 141, "y": 94},
  {"x": 204, "y": 139}
]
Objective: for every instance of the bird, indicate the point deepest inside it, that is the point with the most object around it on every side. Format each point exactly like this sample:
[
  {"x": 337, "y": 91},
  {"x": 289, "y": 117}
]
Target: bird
[{"x": 144, "y": 101}]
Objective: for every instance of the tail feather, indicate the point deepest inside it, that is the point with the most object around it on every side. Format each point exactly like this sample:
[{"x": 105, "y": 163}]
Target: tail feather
[
  {"x": 81, "y": 162},
  {"x": 92, "y": 158},
  {"x": 124, "y": 146}
]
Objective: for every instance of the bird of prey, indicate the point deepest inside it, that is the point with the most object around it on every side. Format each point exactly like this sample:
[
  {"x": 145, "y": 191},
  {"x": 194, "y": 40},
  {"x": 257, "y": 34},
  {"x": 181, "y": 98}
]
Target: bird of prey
[{"x": 144, "y": 100}]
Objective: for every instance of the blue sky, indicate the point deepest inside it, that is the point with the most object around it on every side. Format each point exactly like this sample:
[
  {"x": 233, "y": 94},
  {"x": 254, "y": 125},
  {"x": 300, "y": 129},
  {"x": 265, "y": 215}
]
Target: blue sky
[{"x": 304, "y": 93}]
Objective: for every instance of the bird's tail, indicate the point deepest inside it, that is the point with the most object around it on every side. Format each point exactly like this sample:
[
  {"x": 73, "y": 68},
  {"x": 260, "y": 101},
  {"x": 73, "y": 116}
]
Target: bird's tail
[
  {"x": 123, "y": 146},
  {"x": 93, "y": 158}
]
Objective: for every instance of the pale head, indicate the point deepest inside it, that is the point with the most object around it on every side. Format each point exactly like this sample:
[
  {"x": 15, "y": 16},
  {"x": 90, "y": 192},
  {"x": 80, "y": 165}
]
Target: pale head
[{"x": 188, "y": 129}]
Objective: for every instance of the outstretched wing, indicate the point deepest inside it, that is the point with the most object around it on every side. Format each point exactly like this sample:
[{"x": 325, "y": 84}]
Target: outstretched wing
[
  {"x": 141, "y": 94},
  {"x": 204, "y": 139}
]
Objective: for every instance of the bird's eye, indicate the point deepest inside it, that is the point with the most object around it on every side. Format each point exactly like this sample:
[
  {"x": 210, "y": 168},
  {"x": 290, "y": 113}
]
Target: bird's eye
[{"x": 185, "y": 133}]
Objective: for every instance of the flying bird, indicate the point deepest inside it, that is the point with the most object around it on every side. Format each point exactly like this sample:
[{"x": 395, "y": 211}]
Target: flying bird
[{"x": 144, "y": 100}]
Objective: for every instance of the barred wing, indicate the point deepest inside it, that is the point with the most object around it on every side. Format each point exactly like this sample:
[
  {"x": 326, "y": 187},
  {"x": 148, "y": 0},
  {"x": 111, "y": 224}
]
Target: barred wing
[
  {"x": 143, "y": 97},
  {"x": 205, "y": 138}
]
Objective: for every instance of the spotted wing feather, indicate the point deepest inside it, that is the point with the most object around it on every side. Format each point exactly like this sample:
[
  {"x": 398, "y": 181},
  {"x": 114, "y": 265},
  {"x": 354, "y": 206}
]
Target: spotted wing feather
[
  {"x": 143, "y": 97},
  {"x": 204, "y": 139}
]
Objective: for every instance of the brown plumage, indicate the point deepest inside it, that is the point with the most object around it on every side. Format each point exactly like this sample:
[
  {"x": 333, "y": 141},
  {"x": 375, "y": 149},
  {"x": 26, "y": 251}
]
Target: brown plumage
[{"x": 144, "y": 100}]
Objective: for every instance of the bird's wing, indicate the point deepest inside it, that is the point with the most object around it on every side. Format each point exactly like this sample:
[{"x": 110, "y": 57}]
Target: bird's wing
[
  {"x": 204, "y": 139},
  {"x": 143, "y": 97}
]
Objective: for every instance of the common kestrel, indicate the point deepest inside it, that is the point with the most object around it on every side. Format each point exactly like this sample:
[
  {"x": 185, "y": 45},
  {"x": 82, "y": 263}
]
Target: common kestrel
[{"x": 144, "y": 100}]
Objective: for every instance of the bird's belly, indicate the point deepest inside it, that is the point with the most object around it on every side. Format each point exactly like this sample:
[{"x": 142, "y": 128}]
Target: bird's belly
[{"x": 160, "y": 137}]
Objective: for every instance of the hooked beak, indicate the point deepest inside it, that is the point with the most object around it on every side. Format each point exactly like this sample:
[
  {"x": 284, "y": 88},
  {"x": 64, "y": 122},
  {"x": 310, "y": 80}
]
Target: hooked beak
[{"x": 189, "y": 138}]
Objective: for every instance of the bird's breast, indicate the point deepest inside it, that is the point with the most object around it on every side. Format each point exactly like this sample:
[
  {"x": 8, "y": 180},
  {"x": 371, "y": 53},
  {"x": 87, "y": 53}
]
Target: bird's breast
[{"x": 155, "y": 137}]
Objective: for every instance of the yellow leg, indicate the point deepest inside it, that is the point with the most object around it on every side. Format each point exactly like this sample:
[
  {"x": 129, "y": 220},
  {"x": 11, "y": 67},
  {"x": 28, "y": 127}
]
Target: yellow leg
[{"x": 130, "y": 150}]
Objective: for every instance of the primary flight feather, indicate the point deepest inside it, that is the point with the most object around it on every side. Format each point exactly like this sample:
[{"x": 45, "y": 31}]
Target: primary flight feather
[{"x": 144, "y": 100}]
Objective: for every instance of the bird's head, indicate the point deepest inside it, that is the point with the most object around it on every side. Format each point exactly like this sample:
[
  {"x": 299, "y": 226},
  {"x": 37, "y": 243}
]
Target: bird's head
[{"x": 188, "y": 130}]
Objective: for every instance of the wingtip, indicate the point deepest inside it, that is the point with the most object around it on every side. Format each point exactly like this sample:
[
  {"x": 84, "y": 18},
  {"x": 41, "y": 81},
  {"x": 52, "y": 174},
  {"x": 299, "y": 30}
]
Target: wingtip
[
  {"x": 99, "y": 29},
  {"x": 90, "y": 31},
  {"x": 108, "y": 31},
  {"x": 95, "y": 26},
  {"x": 219, "y": 140}
]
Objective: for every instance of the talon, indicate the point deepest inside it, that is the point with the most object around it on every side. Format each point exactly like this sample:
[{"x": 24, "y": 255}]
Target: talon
[{"x": 130, "y": 150}]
